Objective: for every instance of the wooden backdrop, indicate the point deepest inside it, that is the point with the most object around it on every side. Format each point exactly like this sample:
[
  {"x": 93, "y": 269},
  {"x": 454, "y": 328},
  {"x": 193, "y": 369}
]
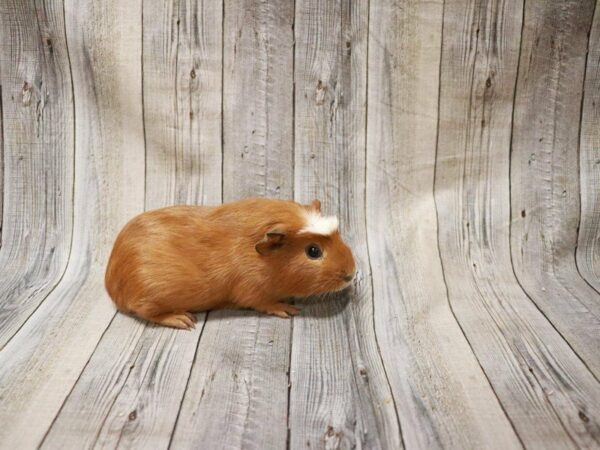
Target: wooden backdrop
[{"x": 457, "y": 141}]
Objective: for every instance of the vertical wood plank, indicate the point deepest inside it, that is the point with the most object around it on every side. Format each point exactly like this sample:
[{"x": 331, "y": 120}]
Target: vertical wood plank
[
  {"x": 588, "y": 247},
  {"x": 547, "y": 393},
  {"x": 237, "y": 393},
  {"x": 340, "y": 397},
  {"x": 545, "y": 171},
  {"x": 37, "y": 158},
  {"x": 139, "y": 373},
  {"x": 40, "y": 365},
  {"x": 257, "y": 90},
  {"x": 443, "y": 398},
  {"x": 182, "y": 101},
  {"x": 1, "y": 161}
]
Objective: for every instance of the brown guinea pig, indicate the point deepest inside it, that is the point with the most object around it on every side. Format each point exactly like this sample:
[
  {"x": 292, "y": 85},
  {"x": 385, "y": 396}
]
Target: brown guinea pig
[{"x": 251, "y": 253}]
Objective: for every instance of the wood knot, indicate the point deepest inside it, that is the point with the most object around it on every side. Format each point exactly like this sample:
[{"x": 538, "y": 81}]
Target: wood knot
[
  {"x": 320, "y": 93},
  {"x": 26, "y": 93},
  {"x": 332, "y": 438},
  {"x": 363, "y": 373}
]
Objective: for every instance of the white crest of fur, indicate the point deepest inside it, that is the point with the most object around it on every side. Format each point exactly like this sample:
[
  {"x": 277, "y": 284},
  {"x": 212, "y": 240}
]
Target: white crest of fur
[{"x": 318, "y": 224}]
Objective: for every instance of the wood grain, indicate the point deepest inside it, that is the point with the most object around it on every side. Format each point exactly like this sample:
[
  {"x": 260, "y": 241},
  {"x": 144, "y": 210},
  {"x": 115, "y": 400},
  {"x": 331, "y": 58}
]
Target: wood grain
[
  {"x": 443, "y": 398},
  {"x": 182, "y": 101},
  {"x": 238, "y": 389},
  {"x": 544, "y": 171},
  {"x": 340, "y": 397},
  {"x": 588, "y": 246},
  {"x": 1, "y": 163},
  {"x": 129, "y": 394},
  {"x": 40, "y": 365},
  {"x": 539, "y": 381},
  {"x": 37, "y": 158},
  {"x": 258, "y": 95},
  {"x": 139, "y": 373},
  {"x": 456, "y": 141}
]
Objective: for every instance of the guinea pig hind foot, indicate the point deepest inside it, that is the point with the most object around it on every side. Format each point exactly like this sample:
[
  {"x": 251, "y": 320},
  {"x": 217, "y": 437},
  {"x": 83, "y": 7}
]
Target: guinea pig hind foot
[{"x": 182, "y": 320}]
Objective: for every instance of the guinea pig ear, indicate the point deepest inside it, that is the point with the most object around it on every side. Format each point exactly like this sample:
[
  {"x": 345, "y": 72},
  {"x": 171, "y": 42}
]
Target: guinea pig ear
[
  {"x": 316, "y": 205},
  {"x": 273, "y": 239}
]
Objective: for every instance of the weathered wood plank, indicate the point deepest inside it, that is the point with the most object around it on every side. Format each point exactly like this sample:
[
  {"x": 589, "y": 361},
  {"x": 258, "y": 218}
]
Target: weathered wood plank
[
  {"x": 37, "y": 158},
  {"x": 588, "y": 248},
  {"x": 544, "y": 171},
  {"x": 257, "y": 90},
  {"x": 129, "y": 393},
  {"x": 1, "y": 160},
  {"x": 237, "y": 394},
  {"x": 548, "y": 394},
  {"x": 443, "y": 398},
  {"x": 182, "y": 101},
  {"x": 40, "y": 365},
  {"x": 340, "y": 397},
  {"x": 138, "y": 374}
]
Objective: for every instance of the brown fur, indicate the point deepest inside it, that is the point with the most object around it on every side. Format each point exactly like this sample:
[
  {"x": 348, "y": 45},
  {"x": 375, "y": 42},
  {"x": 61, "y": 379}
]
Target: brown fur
[{"x": 172, "y": 261}]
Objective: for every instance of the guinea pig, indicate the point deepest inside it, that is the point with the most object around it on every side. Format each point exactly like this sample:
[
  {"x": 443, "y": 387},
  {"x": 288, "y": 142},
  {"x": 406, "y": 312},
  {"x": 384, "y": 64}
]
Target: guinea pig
[{"x": 252, "y": 253}]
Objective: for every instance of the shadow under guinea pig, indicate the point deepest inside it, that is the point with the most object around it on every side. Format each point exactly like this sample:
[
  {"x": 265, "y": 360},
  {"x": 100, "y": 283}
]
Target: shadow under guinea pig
[{"x": 325, "y": 305}]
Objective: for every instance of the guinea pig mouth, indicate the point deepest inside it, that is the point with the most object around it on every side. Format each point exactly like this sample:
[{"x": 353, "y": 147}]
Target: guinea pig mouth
[{"x": 345, "y": 284}]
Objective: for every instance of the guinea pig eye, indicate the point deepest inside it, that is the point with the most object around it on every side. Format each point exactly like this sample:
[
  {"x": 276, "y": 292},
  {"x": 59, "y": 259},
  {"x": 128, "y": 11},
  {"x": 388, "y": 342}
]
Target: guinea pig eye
[{"x": 313, "y": 251}]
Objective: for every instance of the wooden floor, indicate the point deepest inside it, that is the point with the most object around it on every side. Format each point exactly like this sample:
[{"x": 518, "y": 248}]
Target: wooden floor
[{"x": 457, "y": 141}]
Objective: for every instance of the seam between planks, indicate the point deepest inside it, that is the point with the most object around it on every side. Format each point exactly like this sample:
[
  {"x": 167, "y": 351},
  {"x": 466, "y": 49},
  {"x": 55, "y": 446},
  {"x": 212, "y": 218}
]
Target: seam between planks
[
  {"x": 187, "y": 382},
  {"x": 2, "y": 177},
  {"x": 289, "y": 390},
  {"x": 116, "y": 397},
  {"x": 75, "y": 384},
  {"x": 435, "y": 167},
  {"x": 59, "y": 281},
  {"x": 222, "y": 100},
  {"x": 175, "y": 423},
  {"x": 551, "y": 405},
  {"x": 176, "y": 99},
  {"x": 510, "y": 206},
  {"x": 144, "y": 109},
  {"x": 288, "y": 441},
  {"x": 585, "y": 73},
  {"x": 368, "y": 251}
]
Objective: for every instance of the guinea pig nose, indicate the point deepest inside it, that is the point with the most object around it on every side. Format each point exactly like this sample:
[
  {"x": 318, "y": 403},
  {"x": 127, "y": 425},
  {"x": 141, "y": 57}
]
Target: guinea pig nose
[{"x": 349, "y": 277}]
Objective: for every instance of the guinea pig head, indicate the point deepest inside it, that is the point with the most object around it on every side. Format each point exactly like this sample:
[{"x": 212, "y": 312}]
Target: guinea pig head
[{"x": 308, "y": 257}]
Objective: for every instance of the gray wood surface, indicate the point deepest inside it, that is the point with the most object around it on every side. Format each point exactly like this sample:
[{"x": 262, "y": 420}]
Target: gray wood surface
[
  {"x": 143, "y": 382},
  {"x": 532, "y": 369},
  {"x": 588, "y": 248},
  {"x": 544, "y": 167},
  {"x": 458, "y": 143},
  {"x": 40, "y": 365},
  {"x": 443, "y": 398},
  {"x": 37, "y": 158},
  {"x": 334, "y": 351}
]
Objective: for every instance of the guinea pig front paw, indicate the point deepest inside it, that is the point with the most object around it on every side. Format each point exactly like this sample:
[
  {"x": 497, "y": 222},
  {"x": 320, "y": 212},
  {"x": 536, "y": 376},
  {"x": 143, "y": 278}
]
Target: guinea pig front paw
[
  {"x": 183, "y": 320},
  {"x": 283, "y": 310}
]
